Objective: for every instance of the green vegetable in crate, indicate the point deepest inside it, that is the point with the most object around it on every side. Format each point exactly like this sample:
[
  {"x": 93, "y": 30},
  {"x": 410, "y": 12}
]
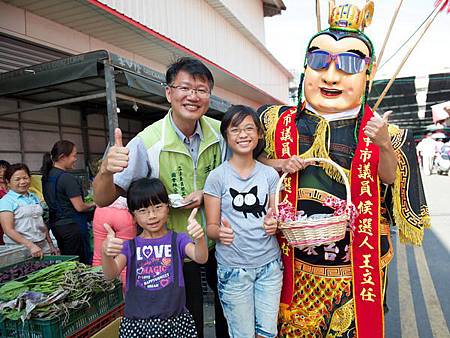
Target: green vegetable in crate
[
  {"x": 53, "y": 291},
  {"x": 12, "y": 290},
  {"x": 12, "y": 314},
  {"x": 45, "y": 280}
]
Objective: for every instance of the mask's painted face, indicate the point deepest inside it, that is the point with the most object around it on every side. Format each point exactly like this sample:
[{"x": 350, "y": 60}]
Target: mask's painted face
[{"x": 329, "y": 89}]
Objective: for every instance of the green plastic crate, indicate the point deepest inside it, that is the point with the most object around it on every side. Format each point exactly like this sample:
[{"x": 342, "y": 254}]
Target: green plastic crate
[
  {"x": 56, "y": 328},
  {"x": 56, "y": 259}
]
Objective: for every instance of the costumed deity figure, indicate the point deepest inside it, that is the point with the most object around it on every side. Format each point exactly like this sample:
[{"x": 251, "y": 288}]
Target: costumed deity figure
[{"x": 337, "y": 290}]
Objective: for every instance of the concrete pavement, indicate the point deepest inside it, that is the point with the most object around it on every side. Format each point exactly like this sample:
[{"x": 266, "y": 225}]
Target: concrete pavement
[{"x": 418, "y": 293}]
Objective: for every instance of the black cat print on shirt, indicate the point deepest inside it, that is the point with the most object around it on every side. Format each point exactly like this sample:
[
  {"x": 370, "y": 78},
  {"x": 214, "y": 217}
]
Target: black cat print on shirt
[{"x": 248, "y": 202}]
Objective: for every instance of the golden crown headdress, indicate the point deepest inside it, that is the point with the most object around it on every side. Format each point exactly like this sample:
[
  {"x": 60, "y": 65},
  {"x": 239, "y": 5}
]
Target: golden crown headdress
[{"x": 350, "y": 17}]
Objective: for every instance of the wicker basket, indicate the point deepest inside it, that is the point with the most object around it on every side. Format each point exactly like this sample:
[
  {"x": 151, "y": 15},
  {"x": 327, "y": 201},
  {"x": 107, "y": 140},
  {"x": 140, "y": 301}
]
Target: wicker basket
[{"x": 314, "y": 232}]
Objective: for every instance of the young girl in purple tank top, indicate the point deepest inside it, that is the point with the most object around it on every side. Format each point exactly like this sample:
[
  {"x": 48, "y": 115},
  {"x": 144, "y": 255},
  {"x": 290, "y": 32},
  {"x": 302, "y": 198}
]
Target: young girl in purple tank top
[{"x": 155, "y": 296}]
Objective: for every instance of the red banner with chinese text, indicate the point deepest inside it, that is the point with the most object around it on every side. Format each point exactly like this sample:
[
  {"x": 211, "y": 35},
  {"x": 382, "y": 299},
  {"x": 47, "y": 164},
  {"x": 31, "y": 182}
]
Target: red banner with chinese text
[
  {"x": 286, "y": 146},
  {"x": 365, "y": 248}
]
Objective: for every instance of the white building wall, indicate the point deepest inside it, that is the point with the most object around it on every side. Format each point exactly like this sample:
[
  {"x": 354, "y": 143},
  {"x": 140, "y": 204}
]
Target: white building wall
[
  {"x": 249, "y": 12},
  {"x": 28, "y": 26},
  {"x": 198, "y": 26}
]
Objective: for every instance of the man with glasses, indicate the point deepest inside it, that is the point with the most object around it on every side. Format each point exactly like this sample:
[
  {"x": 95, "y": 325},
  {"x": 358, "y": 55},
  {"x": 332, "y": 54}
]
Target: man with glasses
[
  {"x": 337, "y": 289},
  {"x": 180, "y": 149}
]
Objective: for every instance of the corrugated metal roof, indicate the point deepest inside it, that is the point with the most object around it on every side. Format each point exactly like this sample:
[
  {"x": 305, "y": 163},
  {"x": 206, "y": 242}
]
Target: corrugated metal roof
[
  {"x": 15, "y": 53},
  {"x": 100, "y": 21}
]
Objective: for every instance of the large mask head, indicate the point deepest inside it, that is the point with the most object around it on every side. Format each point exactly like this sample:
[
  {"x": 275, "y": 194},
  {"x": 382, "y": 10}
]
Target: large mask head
[{"x": 339, "y": 61}]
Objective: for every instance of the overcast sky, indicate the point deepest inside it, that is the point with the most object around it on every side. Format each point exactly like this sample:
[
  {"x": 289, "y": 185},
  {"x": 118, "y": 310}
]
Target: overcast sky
[{"x": 287, "y": 35}]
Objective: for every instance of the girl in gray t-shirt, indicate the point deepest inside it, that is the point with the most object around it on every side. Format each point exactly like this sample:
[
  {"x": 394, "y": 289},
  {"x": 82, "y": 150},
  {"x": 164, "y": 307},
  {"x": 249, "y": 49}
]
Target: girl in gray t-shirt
[{"x": 239, "y": 199}]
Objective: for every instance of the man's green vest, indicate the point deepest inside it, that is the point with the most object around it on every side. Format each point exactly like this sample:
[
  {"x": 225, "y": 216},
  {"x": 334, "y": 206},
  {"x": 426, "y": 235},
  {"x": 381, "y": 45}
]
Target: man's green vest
[{"x": 171, "y": 162}]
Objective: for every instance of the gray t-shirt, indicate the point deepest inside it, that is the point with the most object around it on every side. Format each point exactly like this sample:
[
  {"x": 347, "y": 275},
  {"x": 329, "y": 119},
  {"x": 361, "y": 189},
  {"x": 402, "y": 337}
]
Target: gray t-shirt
[{"x": 244, "y": 203}]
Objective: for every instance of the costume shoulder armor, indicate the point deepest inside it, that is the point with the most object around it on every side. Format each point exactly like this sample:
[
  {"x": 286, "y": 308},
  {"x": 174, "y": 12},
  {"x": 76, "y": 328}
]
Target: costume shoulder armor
[{"x": 269, "y": 115}]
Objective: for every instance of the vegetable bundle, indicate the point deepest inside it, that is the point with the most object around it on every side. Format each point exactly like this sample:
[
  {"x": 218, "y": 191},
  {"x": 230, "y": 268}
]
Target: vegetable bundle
[{"x": 52, "y": 291}]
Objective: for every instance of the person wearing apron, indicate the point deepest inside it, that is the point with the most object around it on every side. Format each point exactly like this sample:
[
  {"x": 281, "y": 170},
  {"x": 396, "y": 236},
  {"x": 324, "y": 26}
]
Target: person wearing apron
[
  {"x": 68, "y": 217},
  {"x": 21, "y": 214}
]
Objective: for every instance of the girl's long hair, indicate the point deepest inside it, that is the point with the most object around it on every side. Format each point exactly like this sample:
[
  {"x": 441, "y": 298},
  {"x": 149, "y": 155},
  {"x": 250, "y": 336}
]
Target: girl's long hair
[{"x": 60, "y": 148}]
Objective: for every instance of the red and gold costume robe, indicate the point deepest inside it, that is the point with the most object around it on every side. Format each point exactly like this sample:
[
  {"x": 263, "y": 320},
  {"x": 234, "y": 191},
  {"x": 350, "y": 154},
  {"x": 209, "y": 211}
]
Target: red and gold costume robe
[{"x": 319, "y": 282}]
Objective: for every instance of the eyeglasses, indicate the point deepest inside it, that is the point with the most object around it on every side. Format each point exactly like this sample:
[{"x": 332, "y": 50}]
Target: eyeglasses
[
  {"x": 349, "y": 63},
  {"x": 201, "y": 92},
  {"x": 155, "y": 209},
  {"x": 235, "y": 131}
]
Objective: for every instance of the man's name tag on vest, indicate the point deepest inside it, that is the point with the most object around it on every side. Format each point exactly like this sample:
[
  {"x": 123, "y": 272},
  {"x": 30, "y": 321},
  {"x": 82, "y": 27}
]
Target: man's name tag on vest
[{"x": 177, "y": 201}]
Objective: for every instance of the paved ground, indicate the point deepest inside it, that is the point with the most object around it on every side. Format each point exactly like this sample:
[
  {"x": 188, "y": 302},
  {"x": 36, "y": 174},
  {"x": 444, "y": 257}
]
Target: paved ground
[{"x": 419, "y": 277}]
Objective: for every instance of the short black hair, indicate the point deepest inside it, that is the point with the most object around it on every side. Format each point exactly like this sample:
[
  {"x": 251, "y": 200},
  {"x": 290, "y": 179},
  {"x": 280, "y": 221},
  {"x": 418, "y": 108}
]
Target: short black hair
[
  {"x": 340, "y": 34},
  {"x": 191, "y": 66},
  {"x": 4, "y": 164},
  {"x": 145, "y": 192},
  {"x": 16, "y": 167},
  {"x": 234, "y": 116}
]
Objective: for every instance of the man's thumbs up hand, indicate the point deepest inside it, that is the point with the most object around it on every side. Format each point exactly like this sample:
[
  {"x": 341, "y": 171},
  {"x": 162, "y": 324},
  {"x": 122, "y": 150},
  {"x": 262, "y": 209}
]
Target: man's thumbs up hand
[
  {"x": 118, "y": 137},
  {"x": 226, "y": 234},
  {"x": 112, "y": 246},
  {"x": 117, "y": 158},
  {"x": 194, "y": 229},
  {"x": 270, "y": 224}
]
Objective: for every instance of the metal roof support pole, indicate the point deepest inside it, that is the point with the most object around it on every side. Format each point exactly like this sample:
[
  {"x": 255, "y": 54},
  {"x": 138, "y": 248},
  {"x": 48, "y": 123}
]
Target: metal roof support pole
[
  {"x": 85, "y": 137},
  {"x": 111, "y": 100}
]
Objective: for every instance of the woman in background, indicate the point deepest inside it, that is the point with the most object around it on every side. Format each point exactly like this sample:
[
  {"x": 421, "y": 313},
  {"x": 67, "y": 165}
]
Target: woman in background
[
  {"x": 63, "y": 194},
  {"x": 21, "y": 214},
  {"x": 3, "y": 188},
  {"x": 120, "y": 220}
]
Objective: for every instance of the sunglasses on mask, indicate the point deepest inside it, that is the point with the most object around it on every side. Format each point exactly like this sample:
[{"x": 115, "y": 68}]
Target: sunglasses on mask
[{"x": 349, "y": 63}]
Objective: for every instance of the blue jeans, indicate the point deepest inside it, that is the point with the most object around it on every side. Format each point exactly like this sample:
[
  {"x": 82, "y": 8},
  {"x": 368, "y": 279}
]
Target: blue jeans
[{"x": 250, "y": 298}]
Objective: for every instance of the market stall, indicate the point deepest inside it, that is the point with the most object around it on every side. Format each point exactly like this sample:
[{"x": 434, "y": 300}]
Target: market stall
[{"x": 81, "y": 98}]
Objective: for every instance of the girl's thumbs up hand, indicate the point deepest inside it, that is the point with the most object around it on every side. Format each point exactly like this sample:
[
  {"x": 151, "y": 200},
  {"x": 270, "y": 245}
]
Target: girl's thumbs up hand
[
  {"x": 112, "y": 246},
  {"x": 270, "y": 223},
  {"x": 226, "y": 234},
  {"x": 194, "y": 229}
]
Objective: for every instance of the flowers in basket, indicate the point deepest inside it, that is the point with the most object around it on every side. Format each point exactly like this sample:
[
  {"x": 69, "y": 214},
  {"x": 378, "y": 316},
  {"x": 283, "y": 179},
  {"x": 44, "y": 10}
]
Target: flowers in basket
[
  {"x": 340, "y": 207},
  {"x": 287, "y": 213}
]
